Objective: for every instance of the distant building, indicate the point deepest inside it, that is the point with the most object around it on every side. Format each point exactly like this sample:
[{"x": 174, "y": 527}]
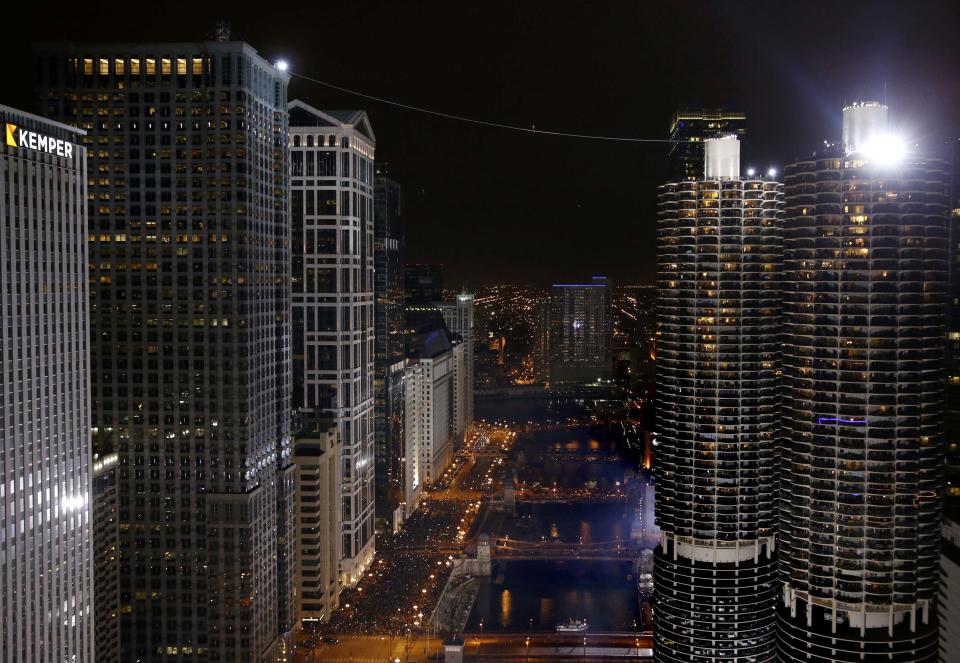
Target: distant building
[
  {"x": 331, "y": 211},
  {"x": 581, "y": 332},
  {"x": 541, "y": 340},
  {"x": 317, "y": 458},
  {"x": 46, "y": 538},
  {"x": 389, "y": 326},
  {"x": 689, "y": 128},
  {"x": 948, "y": 599},
  {"x": 430, "y": 391},
  {"x": 423, "y": 297},
  {"x": 458, "y": 316}
]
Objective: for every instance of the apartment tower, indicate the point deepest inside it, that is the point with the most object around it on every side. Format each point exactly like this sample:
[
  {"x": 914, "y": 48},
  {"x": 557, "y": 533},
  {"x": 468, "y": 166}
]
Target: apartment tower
[
  {"x": 865, "y": 287},
  {"x": 718, "y": 353}
]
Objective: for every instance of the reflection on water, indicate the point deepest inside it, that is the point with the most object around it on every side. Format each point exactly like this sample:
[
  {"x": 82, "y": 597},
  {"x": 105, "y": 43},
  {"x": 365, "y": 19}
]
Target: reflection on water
[{"x": 549, "y": 592}]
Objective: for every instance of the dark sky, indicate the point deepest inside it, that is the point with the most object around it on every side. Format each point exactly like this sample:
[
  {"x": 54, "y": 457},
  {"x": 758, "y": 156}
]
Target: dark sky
[{"x": 497, "y": 206}]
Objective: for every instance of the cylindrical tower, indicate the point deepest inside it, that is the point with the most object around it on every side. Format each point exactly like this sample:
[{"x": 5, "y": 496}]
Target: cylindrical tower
[
  {"x": 719, "y": 248},
  {"x": 865, "y": 270}
]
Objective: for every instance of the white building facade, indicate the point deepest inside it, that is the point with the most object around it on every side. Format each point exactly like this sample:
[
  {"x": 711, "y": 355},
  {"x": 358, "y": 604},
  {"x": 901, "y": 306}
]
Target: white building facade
[
  {"x": 332, "y": 180},
  {"x": 46, "y": 546}
]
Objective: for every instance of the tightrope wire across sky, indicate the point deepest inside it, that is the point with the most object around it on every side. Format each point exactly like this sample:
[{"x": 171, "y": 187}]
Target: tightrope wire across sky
[{"x": 497, "y": 125}]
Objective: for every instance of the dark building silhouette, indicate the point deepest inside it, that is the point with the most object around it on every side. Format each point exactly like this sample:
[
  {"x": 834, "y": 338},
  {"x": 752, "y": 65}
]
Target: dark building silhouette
[{"x": 689, "y": 128}]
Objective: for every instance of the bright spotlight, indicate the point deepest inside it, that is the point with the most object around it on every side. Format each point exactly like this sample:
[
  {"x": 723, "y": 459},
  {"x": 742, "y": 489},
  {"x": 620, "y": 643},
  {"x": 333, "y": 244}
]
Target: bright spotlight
[
  {"x": 282, "y": 65},
  {"x": 751, "y": 172},
  {"x": 771, "y": 173},
  {"x": 885, "y": 150}
]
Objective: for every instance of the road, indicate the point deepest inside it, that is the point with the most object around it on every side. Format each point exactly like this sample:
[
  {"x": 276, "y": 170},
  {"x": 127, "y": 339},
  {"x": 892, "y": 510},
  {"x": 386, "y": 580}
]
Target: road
[{"x": 489, "y": 646}]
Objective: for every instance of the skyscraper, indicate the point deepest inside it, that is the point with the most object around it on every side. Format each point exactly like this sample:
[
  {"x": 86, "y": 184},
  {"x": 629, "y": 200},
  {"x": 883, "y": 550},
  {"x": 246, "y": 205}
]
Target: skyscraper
[
  {"x": 718, "y": 257},
  {"x": 865, "y": 264},
  {"x": 332, "y": 182},
  {"x": 46, "y": 547},
  {"x": 388, "y": 211},
  {"x": 423, "y": 296},
  {"x": 581, "y": 332},
  {"x": 190, "y": 329},
  {"x": 689, "y": 128},
  {"x": 458, "y": 316}
]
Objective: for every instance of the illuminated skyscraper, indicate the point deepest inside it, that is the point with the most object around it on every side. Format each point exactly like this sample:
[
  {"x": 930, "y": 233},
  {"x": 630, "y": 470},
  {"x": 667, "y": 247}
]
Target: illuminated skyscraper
[
  {"x": 689, "y": 128},
  {"x": 332, "y": 182},
  {"x": 581, "y": 332},
  {"x": 46, "y": 541},
  {"x": 865, "y": 286},
  {"x": 718, "y": 256},
  {"x": 190, "y": 326}
]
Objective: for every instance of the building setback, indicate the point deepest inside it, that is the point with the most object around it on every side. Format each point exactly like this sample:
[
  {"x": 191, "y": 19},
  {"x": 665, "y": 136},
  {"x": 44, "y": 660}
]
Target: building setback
[
  {"x": 865, "y": 286},
  {"x": 332, "y": 180},
  {"x": 718, "y": 255},
  {"x": 46, "y": 542},
  {"x": 190, "y": 328}
]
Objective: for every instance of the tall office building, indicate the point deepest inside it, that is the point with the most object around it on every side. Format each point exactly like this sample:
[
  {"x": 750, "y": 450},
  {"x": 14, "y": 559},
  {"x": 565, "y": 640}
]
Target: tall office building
[
  {"x": 718, "y": 255},
  {"x": 316, "y": 455},
  {"x": 190, "y": 329},
  {"x": 458, "y": 316},
  {"x": 388, "y": 210},
  {"x": 46, "y": 547},
  {"x": 865, "y": 264},
  {"x": 689, "y": 129},
  {"x": 332, "y": 182},
  {"x": 581, "y": 332},
  {"x": 541, "y": 340},
  {"x": 423, "y": 296}
]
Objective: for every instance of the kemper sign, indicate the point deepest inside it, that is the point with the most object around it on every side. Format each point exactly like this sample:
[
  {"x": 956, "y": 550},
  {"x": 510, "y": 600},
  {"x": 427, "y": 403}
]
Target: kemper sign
[{"x": 17, "y": 137}]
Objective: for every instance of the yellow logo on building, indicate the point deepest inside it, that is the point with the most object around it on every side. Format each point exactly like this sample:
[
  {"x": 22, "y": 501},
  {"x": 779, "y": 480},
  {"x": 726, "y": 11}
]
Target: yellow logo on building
[{"x": 11, "y": 135}]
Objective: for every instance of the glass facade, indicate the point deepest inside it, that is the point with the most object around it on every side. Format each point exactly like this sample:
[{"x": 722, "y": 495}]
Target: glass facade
[{"x": 189, "y": 260}]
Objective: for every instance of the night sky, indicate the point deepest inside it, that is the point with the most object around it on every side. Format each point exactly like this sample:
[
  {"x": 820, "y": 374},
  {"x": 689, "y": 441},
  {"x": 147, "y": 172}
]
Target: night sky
[{"x": 497, "y": 206}]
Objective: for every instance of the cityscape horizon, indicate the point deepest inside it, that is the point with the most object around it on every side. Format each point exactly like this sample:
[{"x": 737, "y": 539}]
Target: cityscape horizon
[{"x": 312, "y": 357}]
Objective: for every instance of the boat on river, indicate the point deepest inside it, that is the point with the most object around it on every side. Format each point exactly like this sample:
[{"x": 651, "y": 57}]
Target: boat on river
[{"x": 572, "y": 626}]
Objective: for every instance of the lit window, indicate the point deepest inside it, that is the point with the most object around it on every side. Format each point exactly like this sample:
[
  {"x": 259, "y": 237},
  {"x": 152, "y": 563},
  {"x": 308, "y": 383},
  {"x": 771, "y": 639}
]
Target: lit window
[
  {"x": 181, "y": 66},
  {"x": 134, "y": 66},
  {"x": 151, "y": 67},
  {"x": 197, "y": 66},
  {"x": 104, "y": 66},
  {"x": 88, "y": 66},
  {"x": 118, "y": 67},
  {"x": 164, "y": 66}
]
